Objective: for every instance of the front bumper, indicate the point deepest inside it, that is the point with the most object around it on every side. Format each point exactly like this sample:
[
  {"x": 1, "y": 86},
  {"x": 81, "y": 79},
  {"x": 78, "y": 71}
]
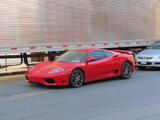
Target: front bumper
[
  {"x": 149, "y": 63},
  {"x": 48, "y": 80}
]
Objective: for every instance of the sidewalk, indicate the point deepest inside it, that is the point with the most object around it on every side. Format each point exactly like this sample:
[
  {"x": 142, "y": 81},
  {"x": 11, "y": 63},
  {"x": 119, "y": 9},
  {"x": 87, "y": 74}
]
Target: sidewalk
[{"x": 13, "y": 69}]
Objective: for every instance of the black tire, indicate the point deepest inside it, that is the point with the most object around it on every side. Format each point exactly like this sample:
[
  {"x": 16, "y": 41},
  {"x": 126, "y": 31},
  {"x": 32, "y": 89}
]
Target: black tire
[
  {"x": 141, "y": 67},
  {"x": 77, "y": 78},
  {"x": 126, "y": 70}
]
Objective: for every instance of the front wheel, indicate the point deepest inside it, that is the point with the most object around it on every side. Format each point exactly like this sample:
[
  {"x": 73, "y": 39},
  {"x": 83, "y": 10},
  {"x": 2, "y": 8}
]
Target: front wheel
[
  {"x": 77, "y": 78},
  {"x": 126, "y": 70}
]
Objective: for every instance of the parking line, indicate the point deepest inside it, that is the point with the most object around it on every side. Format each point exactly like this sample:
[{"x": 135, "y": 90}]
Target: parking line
[
  {"x": 3, "y": 99},
  {"x": 23, "y": 95}
]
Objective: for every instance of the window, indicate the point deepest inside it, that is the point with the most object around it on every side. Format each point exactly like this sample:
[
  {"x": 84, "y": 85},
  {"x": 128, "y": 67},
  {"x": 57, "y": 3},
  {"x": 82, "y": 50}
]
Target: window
[
  {"x": 73, "y": 56},
  {"x": 155, "y": 45},
  {"x": 98, "y": 55},
  {"x": 107, "y": 54}
]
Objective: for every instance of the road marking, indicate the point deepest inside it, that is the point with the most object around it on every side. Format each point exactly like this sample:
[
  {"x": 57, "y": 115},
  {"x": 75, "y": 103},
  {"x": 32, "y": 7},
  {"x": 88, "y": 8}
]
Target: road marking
[
  {"x": 11, "y": 78},
  {"x": 23, "y": 95},
  {"x": 3, "y": 99}
]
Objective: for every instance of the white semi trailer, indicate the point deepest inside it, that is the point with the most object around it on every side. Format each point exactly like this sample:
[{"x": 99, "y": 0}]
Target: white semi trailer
[{"x": 28, "y": 26}]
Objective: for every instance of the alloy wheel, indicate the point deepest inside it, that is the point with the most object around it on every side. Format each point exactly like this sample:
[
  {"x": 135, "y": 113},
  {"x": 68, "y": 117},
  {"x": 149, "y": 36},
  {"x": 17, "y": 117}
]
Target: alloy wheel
[{"x": 76, "y": 78}]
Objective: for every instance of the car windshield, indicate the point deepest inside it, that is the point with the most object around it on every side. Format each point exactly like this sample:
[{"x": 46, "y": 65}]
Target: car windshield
[
  {"x": 155, "y": 45},
  {"x": 72, "y": 56}
]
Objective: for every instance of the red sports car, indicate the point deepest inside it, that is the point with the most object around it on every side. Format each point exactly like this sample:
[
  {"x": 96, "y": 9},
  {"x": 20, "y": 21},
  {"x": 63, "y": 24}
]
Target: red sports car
[{"x": 79, "y": 66}]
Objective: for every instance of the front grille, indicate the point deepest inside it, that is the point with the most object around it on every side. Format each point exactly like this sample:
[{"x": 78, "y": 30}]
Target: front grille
[
  {"x": 148, "y": 63},
  {"x": 49, "y": 80},
  {"x": 140, "y": 57},
  {"x": 148, "y": 58}
]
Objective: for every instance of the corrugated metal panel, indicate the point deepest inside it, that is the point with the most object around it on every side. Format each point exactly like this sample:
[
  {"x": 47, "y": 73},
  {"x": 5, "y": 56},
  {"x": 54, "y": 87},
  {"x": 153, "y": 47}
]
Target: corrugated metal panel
[{"x": 77, "y": 21}]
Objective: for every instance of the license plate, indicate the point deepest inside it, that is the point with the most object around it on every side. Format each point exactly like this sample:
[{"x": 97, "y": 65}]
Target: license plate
[{"x": 143, "y": 62}]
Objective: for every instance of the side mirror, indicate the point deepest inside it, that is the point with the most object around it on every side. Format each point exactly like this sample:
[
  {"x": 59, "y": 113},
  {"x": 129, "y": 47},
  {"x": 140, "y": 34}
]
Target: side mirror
[
  {"x": 91, "y": 59},
  {"x": 56, "y": 57}
]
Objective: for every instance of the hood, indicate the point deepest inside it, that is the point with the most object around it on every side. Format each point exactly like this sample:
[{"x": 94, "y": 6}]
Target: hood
[
  {"x": 149, "y": 53},
  {"x": 45, "y": 67}
]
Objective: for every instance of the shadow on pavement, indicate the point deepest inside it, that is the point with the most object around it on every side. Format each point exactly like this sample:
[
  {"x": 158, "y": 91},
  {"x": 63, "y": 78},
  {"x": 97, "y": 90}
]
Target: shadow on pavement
[
  {"x": 40, "y": 86},
  {"x": 149, "y": 69}
]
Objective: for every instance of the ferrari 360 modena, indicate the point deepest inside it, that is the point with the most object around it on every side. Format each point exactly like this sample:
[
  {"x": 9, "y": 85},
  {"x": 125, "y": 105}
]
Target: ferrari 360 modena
[{"x": 76, "y": 67}]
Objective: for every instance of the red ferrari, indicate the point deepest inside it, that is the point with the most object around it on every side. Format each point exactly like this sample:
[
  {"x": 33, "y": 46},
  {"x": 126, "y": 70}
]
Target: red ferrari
[{"x": 76, "y": 67}]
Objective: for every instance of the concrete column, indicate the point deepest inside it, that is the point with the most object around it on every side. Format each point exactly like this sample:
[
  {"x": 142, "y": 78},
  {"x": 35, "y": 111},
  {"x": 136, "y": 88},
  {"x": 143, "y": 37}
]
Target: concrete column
[{"x": 157, "y": 20}]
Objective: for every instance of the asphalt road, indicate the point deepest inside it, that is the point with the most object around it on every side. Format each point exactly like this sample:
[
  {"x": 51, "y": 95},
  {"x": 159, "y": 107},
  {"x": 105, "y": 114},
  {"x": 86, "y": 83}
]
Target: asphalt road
[{"x": 137, "y": 98}]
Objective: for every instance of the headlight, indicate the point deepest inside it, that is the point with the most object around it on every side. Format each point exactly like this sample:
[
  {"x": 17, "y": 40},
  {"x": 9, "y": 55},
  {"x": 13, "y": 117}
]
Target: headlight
[
  {"x": 156, "y": 57},
  {"x": 31, "y": 68},
  {"x": 135, "y": 57},
  {"x": 56, "y": 70}
]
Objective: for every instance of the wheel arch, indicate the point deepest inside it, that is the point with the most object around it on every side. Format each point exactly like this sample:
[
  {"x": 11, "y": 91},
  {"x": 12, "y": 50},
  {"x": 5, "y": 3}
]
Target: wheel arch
[
  {"x": 81, "y": 70},
  {"x": 71, "y": 84},
  {"x": 121, "y": 76},
  {"x": 129, "y": 62}
]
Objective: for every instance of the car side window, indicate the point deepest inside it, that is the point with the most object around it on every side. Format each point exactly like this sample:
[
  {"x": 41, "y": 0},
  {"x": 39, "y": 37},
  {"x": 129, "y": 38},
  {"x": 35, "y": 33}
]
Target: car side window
[
  {"x": 107, "y": 54},
  {"x": 98, "y": 55}
]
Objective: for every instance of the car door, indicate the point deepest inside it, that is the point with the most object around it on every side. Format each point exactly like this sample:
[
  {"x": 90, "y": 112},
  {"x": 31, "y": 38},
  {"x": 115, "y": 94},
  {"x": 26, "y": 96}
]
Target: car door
[
  {"x": 95, "y": 68},
  {"x": 103, "y": 67},
  {"x": 110, "y": 65}
]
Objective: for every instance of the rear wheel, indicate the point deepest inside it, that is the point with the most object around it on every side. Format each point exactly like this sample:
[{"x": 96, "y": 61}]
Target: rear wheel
[
  {"x": 77, "y": 78},
  {"x": 141, "y": 67},
  {"x": 126, "y": 70}
]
